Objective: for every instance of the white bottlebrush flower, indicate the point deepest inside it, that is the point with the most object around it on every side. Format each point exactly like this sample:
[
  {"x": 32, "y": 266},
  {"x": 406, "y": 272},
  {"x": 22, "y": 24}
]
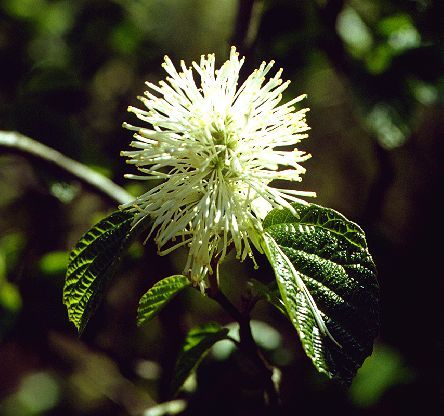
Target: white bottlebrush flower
[{"x": 216, "y": 148}]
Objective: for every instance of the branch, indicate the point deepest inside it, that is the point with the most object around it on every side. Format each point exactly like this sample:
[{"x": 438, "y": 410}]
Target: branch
[
  {"x": 25, "y": 145},
  {"x": 249, "y": 347},
  {"x": 247, "y": 24}
]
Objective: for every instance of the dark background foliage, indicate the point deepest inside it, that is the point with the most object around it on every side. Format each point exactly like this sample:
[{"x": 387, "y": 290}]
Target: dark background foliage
[{"x": 373, "y": 72}]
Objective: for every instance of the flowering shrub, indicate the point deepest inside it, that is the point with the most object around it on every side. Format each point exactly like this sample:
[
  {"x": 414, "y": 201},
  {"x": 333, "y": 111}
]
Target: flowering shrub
[{"x": 215, "y": 149}]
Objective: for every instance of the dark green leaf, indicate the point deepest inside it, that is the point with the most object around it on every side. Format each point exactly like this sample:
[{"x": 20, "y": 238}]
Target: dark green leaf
[
  {"x": 197, "y": 343},
  {"x": 270, "y": 293},
  {"x": 158, "y": 296},
  {"x": 92, "y": 262},
  {"x": 327, "y": 280}
]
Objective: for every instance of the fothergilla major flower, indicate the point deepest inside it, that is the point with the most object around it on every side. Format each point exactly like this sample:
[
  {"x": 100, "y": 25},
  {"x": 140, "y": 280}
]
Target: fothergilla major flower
[{"x": 215, "y": 148}]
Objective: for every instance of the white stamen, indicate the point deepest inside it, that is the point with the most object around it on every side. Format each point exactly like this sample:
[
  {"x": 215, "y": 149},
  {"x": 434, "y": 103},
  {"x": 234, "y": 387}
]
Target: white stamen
[{"x": 216, "y": 146}]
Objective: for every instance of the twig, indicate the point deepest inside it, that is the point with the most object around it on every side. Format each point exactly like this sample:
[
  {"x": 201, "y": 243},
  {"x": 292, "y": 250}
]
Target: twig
[
  {"x": 247, "y": 24},
  {"x": 22, "y": 144},
  {"x": 247, "y": 343},
  {"x": 213, "y": 277},
  {"x": 248, "y": 346},
  {"x": 242, "y": 24}
]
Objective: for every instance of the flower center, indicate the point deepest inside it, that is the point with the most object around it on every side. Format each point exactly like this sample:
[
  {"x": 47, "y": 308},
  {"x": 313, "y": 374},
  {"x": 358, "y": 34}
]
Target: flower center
[{"x": 225, "y": 141}]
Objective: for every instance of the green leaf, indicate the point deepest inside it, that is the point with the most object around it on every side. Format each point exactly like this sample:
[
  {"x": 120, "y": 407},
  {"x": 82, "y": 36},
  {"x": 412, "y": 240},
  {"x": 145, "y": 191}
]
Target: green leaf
[
  {"x": 172, "y": 407},
  {"x": 197, "y": 343},
  {"x": 92, "y": 262},
  {"x": 269, "y": 293},
  {"x": 327, "y": 281},
  {"x": 158, "y": 296},
  {"x": 384, "y": 370},
  {"x": 53, "y": 263}
]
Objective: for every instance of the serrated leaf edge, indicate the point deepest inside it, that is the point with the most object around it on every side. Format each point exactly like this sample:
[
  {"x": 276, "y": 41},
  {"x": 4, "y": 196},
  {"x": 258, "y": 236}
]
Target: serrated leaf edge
[
  {"x": 142, "y": 310},
  {"x": 270, "y": 241}
]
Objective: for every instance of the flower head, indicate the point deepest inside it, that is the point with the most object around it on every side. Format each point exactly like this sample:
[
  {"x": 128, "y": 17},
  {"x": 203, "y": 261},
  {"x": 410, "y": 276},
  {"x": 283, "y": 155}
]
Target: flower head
[{"x": 215, "y": 147}]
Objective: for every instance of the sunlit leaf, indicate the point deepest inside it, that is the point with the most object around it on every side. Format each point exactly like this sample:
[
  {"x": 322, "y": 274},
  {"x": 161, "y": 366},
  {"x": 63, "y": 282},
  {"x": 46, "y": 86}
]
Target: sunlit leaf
[
  {"x": 158, "y": 296},
  {"x": 92, "y": 262},
  {"x": 327, "y": 281}
]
